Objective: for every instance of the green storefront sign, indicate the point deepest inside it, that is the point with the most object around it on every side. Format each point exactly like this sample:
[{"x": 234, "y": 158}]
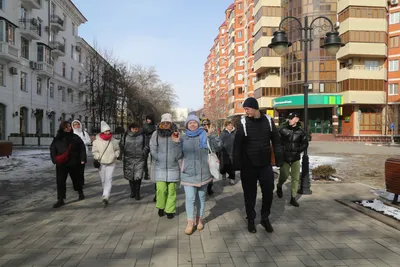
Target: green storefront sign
[{"x": 313, "y": 99}]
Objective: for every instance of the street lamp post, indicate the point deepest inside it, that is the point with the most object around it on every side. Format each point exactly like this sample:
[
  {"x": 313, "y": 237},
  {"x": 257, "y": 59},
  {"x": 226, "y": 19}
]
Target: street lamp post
[{"x": 332, "y": 44}]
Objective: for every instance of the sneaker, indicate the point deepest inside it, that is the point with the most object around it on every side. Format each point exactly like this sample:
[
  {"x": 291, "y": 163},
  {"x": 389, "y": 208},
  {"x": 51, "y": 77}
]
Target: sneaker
[
  {"x": 81, "y": 195},
  {"x": 161, "y": 213},
  {"x": 267, "y": 225},
  {"x": 294, "y": 202},
  {"x": 251, "y": 226},
  {"x": 105, "y": 200},
  {"x": 279, "y": 191},
  {"x": 231, "y": 182},
  {"x": 59, "y": 204}
]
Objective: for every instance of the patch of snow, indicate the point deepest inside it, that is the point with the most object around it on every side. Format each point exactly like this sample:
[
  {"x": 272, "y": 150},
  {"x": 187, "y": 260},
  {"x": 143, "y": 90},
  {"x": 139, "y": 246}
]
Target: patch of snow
[
  {"x": 383, "y": 194},
  {"x": 315, "y": 161},
  {"x": 378, "y": 205},
  {"x": 333, "y": 179}
]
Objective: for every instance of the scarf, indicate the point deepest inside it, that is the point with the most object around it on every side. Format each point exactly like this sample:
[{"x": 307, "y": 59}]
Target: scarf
[
  {"x": 201, "y": 133},
  {"x": 105, "y": 137},
  {"x": 226, "y": 129}
]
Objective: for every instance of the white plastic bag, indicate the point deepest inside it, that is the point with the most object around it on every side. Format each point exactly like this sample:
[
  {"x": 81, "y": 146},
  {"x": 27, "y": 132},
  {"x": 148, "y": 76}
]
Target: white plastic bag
[{"x": 213, "y": 163}]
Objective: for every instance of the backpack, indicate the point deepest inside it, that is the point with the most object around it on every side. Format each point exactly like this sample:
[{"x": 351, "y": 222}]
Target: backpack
[
  {"x": 143, "y": 142},
  {"x": 243, "y": 121}
]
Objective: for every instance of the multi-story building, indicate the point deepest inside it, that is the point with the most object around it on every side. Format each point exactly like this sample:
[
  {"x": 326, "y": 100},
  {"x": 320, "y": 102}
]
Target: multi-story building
[
  {"x": 394, "y": 71},
  {"x": 349, "y": 95},
  {"x": 41, "y": 66}
]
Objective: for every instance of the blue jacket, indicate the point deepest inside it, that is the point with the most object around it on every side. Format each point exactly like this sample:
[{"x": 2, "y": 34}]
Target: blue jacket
[{"x": 195, "y": 170}]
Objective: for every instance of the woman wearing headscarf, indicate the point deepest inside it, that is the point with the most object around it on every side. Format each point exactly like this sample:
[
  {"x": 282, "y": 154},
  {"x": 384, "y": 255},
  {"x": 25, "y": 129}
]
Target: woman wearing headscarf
[
  {"x": 106, "y": 150},
  {"x": 79, "y": 131},
  {"x": 165, "y": 149},
  {"x": 195, "y": 170}
]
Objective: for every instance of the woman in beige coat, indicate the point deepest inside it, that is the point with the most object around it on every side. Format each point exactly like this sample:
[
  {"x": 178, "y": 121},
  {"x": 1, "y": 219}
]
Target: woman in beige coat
[{"x": 106, "y": 150}]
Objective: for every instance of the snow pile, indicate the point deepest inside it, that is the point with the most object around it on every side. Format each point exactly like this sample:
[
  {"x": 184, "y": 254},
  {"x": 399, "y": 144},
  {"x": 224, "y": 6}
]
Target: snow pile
[
  {"x": 379, "y": 206},
  {"x": 323, "y": 160},
  {"x": 383, "y": 194}
]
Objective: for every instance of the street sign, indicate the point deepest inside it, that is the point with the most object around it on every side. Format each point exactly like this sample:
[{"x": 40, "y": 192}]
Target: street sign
[{"x": 392, "y": 126}]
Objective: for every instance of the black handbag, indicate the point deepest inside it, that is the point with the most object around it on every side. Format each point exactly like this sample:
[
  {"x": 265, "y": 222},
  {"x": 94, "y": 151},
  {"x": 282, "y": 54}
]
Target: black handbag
[{"x": 96, "y": 162}]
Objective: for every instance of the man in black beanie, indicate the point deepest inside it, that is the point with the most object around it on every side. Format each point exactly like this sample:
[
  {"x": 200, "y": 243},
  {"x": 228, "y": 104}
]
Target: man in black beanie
[{"x": 252, "y": 156}]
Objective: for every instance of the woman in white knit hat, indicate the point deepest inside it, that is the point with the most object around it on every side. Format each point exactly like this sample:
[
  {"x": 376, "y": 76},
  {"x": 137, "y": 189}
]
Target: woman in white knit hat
[{"x": 105, "y": 151}]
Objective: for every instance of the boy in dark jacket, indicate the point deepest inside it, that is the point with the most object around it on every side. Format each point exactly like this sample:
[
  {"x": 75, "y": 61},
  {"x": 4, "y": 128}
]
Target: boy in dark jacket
[{"x": 294, "y": 141}]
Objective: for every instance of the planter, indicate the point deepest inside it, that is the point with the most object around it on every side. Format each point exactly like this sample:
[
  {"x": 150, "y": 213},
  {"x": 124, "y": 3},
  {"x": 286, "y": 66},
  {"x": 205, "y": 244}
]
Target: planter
[
  {"x": 392, "y": 177},
  {"x": 16, "y": 140}
]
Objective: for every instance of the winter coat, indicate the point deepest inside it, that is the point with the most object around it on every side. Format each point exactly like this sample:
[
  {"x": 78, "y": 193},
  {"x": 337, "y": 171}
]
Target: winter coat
[
  {"x": 149, "y": 129},
  {"x": 83, "y": 135},
  {"x": 195, "y": 170},
  {"x": 134, "y": 150},
  {"x": 294, "y": 141},
  {"x": 110, "y": 155},
  {"x": 165, "y": 155},
  {"x": 254, "y": 150},
  {"x": 227, "y": 139},
  {"x": 60, "y": 144}
]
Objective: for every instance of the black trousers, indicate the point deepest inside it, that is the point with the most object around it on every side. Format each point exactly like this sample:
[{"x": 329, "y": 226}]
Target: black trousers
[
  {"x": 228, "y": 169},
  {"x": 81, "y": 177},
  {"x": 62, "y": 172},
  {"x": 249, "y": 176}
]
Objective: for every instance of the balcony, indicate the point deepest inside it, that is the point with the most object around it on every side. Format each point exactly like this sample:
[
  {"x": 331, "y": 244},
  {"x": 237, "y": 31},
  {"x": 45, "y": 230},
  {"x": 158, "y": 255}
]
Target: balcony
[
  {"x": 44, "y": 70},
  {"x": 262, "y": 3},
  {"x": 58, "y": 49},
  {"x": 8, "y": 52},
  {"x": 262, "y": 42},
  {"x": 370, "y": 50},
  {"x": 362, "y": 72},
  {"x": 269, "y": 81},
  {"x": 57, "y": 23},
  {"x": 343, "y": 4},
  {"x": 30, "y": 29},
  {"x": 265, "y": 63},
  {"x": 32, "y": 4}
]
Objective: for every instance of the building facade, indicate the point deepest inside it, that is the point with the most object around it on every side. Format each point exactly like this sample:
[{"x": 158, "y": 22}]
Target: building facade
[
  {"x": 352, "y": 94},
  {"x": 41, "y": 66}
]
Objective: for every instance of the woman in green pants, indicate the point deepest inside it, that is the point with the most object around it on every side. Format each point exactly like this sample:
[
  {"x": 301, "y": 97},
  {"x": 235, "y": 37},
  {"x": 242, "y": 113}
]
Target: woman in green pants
[
  {"x": 294, "y": 141},
  {"x": 165, "y": 149}
]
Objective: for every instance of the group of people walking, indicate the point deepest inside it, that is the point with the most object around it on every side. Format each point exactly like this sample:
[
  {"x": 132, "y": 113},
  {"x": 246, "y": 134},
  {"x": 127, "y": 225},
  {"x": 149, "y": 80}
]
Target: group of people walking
[{"x": 167, "y": 157}]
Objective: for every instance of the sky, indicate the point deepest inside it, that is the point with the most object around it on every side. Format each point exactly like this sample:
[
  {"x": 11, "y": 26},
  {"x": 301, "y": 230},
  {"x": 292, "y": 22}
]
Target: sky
[{"x": 175, "y": 36}]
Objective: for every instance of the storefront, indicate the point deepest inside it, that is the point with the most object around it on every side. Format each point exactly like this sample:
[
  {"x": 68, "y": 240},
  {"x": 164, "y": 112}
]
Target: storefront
[{"x": 322, "y": 113}]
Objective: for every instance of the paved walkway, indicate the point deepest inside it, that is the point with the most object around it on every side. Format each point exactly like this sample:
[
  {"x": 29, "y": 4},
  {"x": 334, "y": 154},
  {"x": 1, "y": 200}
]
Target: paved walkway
[{"x": 321, "y": 232}]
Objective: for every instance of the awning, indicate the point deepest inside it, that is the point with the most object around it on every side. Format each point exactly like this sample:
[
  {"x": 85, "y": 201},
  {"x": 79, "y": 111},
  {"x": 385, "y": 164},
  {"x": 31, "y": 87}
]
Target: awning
[{"x": 3, "y": 18}]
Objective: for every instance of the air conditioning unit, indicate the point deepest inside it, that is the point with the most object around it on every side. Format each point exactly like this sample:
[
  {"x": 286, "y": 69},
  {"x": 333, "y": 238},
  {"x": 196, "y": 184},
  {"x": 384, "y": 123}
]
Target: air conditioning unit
[
  {"x": 394, "y": 2},
  {"x": 34, "y": 21},
  {"x": 32, "y": 65},
  {"x": 14, "y": 71}
]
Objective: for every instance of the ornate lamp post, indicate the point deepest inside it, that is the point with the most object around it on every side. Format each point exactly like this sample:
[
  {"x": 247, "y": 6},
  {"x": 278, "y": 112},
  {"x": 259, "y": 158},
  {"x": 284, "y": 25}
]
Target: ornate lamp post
[{"x": 332, "y": 44}]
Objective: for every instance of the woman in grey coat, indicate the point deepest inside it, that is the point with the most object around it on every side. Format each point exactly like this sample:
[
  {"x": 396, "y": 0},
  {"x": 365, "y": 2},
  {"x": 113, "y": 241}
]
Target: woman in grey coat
[
  {"x": 134, "y": 150},
  {"x": 227, "y": 137},
  {"x": 195, "y": 170},
  {"x": 165, "y": 149}
]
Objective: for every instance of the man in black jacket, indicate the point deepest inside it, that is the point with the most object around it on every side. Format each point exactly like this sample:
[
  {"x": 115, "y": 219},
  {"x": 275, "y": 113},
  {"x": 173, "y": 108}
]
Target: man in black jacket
[
  {"x": 252, "y": 156},
  {"x": 294, "y": 141}
]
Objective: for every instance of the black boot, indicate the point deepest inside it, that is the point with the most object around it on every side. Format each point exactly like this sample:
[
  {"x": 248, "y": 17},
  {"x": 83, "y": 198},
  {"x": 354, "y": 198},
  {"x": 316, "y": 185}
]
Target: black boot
[
  {"x": 137, "y": 187},
  {"x": 133, "y": 189},
  {"x": 59, "y": 203},
  {"x": 294, "y": 202},
  {"x": 251, "y": 226},
  {"x": 209, "y": 189},
  {"x": 170, "y": 215},
  {"x": 279, "y": 191},
  {"x": 267, "y": 225},
  {"x": 161, "y": 213},
  {"x": 81, "y": 195}
]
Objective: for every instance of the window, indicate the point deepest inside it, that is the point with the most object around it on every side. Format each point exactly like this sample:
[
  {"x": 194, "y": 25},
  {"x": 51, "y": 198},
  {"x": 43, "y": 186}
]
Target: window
[
  {"x": 240, "y": 77},
  {"x": 393, "y": 89},
  {"x": 23, "y": 81},
  {"x": 239, "y": 6},
  {"x": 2, "y": 83},
  {"x": 44, "y": 54},
  {"x": 63, "y": 94},
  {"x": 394, "y": 41},
  {"x": 53, "y": 9},
  {"x": 80, "y": 57},
  {"x": 72, "y": 51},
  {"x": 240, "y": 90},
  {"x": 2, "y": 4},
  {"x": 24, "y": 48},
  {"x": 39, "y": 30},
  {"x": 240, "y": 48},
  {"x": 71, "y": 95},
  {"x": 73, "y": 29},
  {"x": 80, "y": 77},
  {"x": 321, "y": 87},
  {"x": 240, "y": 34},
  {"x": 240, "y": 104},
  {"x": 72, "y": 74},
  {"x": 371, "y": 65},
  {"x": 64, "y": 67},
  {"x": 394, "y": 18},
  {"x": 39, "y": 86},
  {"x": 51, "y": 90},
  {"x": 394, "y": 65},
  {"x": 10, "y": 33}
]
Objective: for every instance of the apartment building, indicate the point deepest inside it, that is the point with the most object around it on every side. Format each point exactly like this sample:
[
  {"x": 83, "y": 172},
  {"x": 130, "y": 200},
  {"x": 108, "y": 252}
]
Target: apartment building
[
  {"x": 41, "y": 66},
  {"x": 394, "y": 71}
]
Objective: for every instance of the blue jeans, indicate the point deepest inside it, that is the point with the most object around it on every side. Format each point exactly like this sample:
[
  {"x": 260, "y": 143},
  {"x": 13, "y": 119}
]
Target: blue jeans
[{"x": 195, "y": 195}]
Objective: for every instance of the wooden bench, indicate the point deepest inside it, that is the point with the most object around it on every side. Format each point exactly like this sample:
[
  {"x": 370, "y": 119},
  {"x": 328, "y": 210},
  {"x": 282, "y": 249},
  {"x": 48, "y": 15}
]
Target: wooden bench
[
  {"x": 6, "y": 148},
  {"x": 392, "y": 177}
]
